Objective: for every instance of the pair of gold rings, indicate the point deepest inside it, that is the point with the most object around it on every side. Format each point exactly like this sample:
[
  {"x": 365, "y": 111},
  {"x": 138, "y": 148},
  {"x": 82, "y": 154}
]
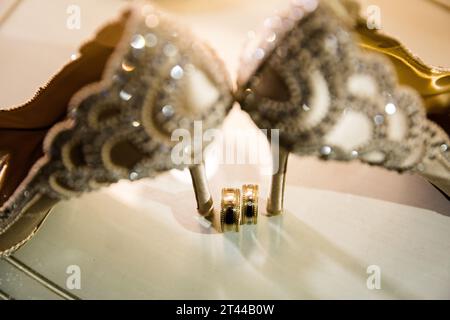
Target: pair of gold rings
[{"x": 235, "y": 212}]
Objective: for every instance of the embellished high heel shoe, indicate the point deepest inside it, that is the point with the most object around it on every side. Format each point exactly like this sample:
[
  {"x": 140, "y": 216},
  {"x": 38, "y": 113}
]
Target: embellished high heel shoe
[
  {"x": 332, "y": 90},
  {"x": 109, "y": 115}
]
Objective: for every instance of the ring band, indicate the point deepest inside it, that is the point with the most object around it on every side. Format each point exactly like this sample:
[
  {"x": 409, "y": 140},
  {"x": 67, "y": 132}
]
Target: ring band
[
  {"x": 249, "y": 210},
  {"x": 230, "y": 209}
]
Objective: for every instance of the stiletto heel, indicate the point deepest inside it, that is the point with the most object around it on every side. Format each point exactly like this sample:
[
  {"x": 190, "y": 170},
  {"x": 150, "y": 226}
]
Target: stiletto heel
[
  {"x": 306, "y": 76},
  {"x": 205, "y": 206},
  {"x": 275, "y": 205},
  {"x": 109, "y": 115}
]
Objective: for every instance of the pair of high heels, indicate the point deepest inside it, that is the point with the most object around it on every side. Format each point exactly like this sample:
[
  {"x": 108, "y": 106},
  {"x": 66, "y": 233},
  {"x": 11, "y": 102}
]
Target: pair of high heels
[{"x": 109, "y": 114}]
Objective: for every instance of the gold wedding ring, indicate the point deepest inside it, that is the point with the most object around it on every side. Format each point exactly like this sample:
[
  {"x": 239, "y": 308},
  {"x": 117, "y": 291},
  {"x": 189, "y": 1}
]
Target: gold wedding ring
[
  {"x": 249, "y": 208},
  {"x": 230, "y": 209}
]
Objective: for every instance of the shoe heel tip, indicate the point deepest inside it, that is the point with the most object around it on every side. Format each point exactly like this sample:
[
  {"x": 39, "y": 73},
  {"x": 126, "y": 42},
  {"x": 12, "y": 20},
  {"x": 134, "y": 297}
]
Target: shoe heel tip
[
  {"x": 271, "y": 212},
  {"x": 207, "y": 209}
]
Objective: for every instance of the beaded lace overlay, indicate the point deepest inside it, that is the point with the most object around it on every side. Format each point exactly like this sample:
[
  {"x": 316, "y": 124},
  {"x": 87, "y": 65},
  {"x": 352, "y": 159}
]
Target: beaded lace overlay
[
  {"x": 121, "y": 128},
  {"x": 340, "y": 103}
]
